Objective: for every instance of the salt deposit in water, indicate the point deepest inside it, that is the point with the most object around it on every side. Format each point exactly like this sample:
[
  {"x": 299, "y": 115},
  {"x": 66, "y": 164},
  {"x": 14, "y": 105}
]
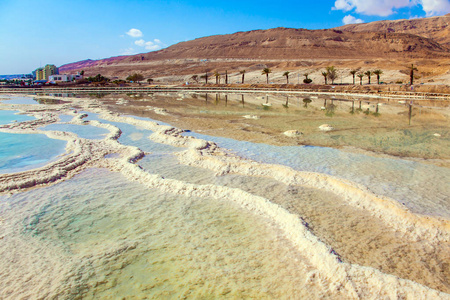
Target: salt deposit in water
[{"x": 138, "y": 256}]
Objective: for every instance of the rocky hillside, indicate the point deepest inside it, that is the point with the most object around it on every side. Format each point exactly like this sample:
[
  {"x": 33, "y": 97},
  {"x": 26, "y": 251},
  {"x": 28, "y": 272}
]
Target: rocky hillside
[
  {"x": 435, "y": 28},
  {"x": 379, "y": 45}
]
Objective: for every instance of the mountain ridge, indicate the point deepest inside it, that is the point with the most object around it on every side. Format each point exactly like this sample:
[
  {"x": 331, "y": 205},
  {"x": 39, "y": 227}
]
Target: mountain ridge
[{"x": 400, "y": 42}]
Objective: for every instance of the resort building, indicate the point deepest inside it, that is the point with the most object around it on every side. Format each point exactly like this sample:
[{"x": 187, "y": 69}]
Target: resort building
[
  {"x": 64, "y": 77},
  {"x": 45, "y": 72}
]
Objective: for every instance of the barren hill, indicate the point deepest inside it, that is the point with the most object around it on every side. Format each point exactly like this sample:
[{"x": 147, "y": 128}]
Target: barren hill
[
  {"x": 436, "y": 28},
  {"x": 384, "y": 44}
]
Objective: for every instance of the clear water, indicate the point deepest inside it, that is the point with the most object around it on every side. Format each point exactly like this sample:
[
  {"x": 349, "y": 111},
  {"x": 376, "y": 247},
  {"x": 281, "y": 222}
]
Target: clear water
[
  {"x": 99, "y": 236},
  {"x": 90, "y": 116},
  {"x": 83, "y": 131},
  {"x": 8, "y": 116},
  {"x": 138, "y": 137},
  {"x": 19, "y": 152},
  {"x": 422, "y": 187},
  {"x": 20, "y": 100},
  {"x": 65, "y": 118},
  {"x": 147, "y": 119}
]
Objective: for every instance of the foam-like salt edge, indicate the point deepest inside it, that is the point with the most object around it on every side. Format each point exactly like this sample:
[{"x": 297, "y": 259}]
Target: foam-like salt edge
[
  {"x": 358, "y": 281},
  {"x": 207, "y": 155},
  {"x": 355, "y": 280}
]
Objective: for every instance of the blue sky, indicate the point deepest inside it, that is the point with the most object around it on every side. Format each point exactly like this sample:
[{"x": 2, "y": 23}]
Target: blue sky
[{"x": 35, "y": 33}]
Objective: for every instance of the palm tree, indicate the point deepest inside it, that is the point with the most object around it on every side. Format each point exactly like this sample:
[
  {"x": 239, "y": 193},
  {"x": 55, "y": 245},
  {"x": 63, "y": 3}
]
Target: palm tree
[
  {"x": 195, "y": 78},
  {"x": 332, "y": 73},
  {"x": 368, "y": 74},
  {"x": 360, "y": 75},
  {"x": 217, "y": 75},
  {"x": 226, "y": 76},
  {"x": 243, "y": 75},
  {"x": 378, "y": 72},
  {"x": 287, "y": 76},
  {"x": 411, "y": 74},
  {"x": 325, "y": 76},
  {"x": 266, "y": 71},
  {"x": 353, "y": 72}
]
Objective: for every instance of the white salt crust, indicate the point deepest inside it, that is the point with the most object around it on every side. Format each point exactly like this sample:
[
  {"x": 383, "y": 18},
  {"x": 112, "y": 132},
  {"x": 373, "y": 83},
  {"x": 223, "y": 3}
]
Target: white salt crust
[{"x": 352, "y": 280}]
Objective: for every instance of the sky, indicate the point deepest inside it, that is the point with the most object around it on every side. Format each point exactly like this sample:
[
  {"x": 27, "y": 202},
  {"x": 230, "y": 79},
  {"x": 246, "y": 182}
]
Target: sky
[{"x": 36, "y": 33}]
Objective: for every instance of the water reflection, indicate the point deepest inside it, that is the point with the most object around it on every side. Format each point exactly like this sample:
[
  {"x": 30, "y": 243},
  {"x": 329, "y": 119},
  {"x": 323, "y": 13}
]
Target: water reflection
[
  {"x": 358, "y": 121},
  {"x": 306, "y": 101}
]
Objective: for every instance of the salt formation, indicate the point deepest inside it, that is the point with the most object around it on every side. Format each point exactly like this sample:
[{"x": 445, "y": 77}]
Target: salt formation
[
  {"x": 352, "y": 280},
  {"x": 326, "y": 127},
  {"x": 292, "y": 133}
]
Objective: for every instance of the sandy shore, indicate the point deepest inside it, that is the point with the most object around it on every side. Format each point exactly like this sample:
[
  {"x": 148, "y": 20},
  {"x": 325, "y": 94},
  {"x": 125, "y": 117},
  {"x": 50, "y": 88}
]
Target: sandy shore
[{"x": 350, "y": 280}]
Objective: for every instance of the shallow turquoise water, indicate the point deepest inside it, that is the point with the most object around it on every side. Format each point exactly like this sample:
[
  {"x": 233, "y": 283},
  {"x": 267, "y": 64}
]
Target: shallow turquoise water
[
  {"x": 8, "y": 116},
  {"x": 65, "y": 118},
  {"x": 19, "y": 152},
  {"x": 100, "y": 236},
  {"x": 83, "y": 131},
  {"x": 422, "y": 187},
  {"x": 138, "y": 137},
  {"x": 20, "y": 100}
]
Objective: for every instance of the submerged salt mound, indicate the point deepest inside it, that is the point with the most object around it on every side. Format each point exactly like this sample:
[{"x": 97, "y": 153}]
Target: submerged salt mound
[
  {"x": 384, "y": 208},
  {"x": 356, "y": 281},
  {"x": 292, "y": 133},
  {"x": 326, "y": 127},
  {"x": 79, "y": 152},
  {"x": 388, "y": 210}
]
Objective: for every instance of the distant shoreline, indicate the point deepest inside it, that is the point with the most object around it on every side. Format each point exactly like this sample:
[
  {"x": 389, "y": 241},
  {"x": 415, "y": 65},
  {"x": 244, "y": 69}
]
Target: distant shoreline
[{"x": 418, "y": 92}]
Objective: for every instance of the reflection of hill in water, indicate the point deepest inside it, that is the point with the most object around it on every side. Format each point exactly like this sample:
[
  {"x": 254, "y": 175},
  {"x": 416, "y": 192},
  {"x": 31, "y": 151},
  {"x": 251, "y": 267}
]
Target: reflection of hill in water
[{"x": 375, "y": 124}]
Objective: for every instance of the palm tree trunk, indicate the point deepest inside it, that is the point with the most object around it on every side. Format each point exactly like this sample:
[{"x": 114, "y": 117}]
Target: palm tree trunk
[
  {"x": 242, "y": 78},
  {"x": 267, "y": 78}
]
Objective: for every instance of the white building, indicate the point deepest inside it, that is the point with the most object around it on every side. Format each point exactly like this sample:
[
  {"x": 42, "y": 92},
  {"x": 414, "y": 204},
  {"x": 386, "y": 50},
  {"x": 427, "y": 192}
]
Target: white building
[{"x": 64, "y": 78}]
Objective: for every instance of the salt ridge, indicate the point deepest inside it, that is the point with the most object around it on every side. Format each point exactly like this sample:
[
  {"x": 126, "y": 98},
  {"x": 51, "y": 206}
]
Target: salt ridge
[{"x": 357, "y": 281}]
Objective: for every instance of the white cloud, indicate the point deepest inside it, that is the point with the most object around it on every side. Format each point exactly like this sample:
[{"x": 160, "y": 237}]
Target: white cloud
[
  {"x": 371, "y": 7},
  {"x": 349, "y": 19},
  {"x": 435, "y": 7},
  {"x": 155, "y": 45},
  {"x": 133, "y": 32},
  {"x": 343, "y": 5},
  {"x": 140, "y": 42},
  {"x": 152, "y": 46},
  {"x": 385, "y": 8}
]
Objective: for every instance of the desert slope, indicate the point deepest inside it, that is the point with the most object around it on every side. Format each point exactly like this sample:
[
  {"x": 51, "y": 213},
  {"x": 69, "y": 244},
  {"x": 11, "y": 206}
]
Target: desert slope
[
  {"x": 385, "y": 44},
  {"x": 436, "y": 28}
]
